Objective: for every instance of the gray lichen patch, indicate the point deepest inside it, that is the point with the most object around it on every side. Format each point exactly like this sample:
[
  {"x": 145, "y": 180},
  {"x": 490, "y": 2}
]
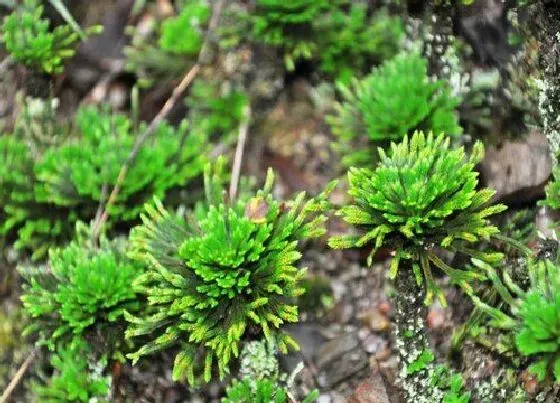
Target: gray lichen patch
[{"x": 412, "y": 343}]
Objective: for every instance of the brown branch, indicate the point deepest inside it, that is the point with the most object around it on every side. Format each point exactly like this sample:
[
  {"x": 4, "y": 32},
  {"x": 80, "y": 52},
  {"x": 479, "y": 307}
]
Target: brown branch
[
  {"x": 160, "y": 117},
  {"x": 241, "y": 140},
  {"x": 18, "y": 376}
]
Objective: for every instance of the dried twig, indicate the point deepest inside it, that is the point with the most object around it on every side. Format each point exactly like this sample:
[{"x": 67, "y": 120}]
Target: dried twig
[
  {"x": 241, "y": 140},
  {"x": 18, "y": 376},
  {"x": 160, "y": 117}
]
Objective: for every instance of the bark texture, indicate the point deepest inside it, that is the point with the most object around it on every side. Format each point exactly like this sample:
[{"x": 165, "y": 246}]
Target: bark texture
[
  {"x": 411, "y": 339},
  {"x": 545, "y": 23}
]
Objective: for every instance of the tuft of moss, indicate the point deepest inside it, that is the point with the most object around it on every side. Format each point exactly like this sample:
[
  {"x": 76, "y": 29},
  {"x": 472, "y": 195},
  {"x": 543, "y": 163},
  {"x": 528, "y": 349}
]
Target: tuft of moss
[
  {"x": 420, "y": 197},
  {"x": 289, "y": 25},
  {"x": 350, "y": 41},
  {"x": 183, "y": 34},
  {"x": 225, "y": 272},
  {"x": 85, "y": 289},
  {"x": 393, "y": 101},
  {"x": 30, "y": 40},
  {"x": 47, "y": 192},
  {"x": 75, "y": 378}
]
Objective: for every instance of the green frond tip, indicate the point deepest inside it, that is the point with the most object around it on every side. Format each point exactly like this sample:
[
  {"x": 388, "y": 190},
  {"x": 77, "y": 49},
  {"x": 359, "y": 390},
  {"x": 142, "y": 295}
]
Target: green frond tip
[
  {"x": 421, "y": 363},
  {"x": 184, "y": 33},
  {"x": 260, "y": 391},
  {"x": 220, "y": 270},
  {"x": 393, "y": 101},
  {"x": 552, "y": 190},
  {"x": 351, "y": 37},
  {"x": 423, "y": 194}
]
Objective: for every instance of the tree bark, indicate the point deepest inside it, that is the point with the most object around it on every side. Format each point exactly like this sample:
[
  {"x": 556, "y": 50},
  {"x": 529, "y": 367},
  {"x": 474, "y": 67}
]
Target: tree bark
[
  {"x": 545, "y": 23},
  {"x": 411, "y": 338},
  {"x": 440, "y": 38}
]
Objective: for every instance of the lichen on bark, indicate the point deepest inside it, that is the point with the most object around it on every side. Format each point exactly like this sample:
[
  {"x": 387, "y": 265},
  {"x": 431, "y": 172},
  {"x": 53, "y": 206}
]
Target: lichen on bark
[
  {"x": 439, "y": 40},
  {"x": 545, "y": 23},
  {"x": 412, "y": 340}
]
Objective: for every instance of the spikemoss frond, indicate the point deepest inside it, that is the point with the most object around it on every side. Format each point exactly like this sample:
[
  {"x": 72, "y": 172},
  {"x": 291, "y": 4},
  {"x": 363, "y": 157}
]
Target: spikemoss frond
[
  {"x": 225, "y": 271},
  {"x": 421, "y": 196},
  {"x": 394, "y": 100},
  {"x": 84, "y": 288}
]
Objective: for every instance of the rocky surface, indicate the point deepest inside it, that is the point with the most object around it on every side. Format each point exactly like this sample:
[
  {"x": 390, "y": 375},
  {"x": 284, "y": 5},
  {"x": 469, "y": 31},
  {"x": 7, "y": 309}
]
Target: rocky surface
[{"x": 518, "y": 170}]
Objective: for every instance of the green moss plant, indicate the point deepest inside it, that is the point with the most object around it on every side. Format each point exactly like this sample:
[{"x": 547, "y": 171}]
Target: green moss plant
[
  {"x": 217, "y": 109},
  {"x": 29, "y": 39},
  {"x": 394, "y": 100},
  {"x": 531, "y": 316},
  {"x": 166, "y": 48},
  {"x": 420, "y": 198},
  {"x": 265, "y": 391},
  {"x": 350, "y": 41},
  {"x": 552, "y": 190},
  {"x": 84, "y": 290},
  {"x": 48, "y": 191},
  {"x": 221, "y": 274},
  {"x": 183, "y": 34},
  {"x": 260, "y": 379},
  {"x": 76, "y": 378},
  {"x": 289, "y": 26}
]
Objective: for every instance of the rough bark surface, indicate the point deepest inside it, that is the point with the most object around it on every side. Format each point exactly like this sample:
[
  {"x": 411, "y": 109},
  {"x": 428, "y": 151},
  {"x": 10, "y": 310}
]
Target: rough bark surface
[
  {"x": 440, "y": 38},
  {"x": 411, "y": 338},
  {"x": 546, "y": 26}
]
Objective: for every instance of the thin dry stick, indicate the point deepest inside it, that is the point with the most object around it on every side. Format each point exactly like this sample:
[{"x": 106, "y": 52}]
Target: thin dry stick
[
  {"x": 17, "y": 377},
  {"x": 241, "y": 140},
  {"x": 160, "y": 117}
]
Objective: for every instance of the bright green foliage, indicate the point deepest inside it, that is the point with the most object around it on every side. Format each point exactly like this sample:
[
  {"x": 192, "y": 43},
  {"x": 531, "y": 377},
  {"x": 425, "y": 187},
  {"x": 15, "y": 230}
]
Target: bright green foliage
[
  {"x": 289, "y": 25},
  {"x": 74, "y": 380},
  {"x": 393, "y": 100},
  {"x": 350, "y": 41},
  {"x": 216, "y": 110},
  {"x": 217, "y": 274},
  {"x": 553, "y": 190},
  {"x": 531, "y": 316},
  {"x": 29, "y": 40},
  {"x": 422, "y": 195},
  {"x": 425, "y": 358},
  {"x": 539, "y": 313},
  {"x": 74, "y": 173},
  {"x": 183, "y": 34},
  {"x": 14, "y": 171},
  {"x": 38, "y": 225},
  {"x": 85, "y": 287},
  {"x": 259, "y": 376},
  {"x": 169, "y": 46},
  {"x": 264, "y": 391},
  {"x": 452, "y": 385},
  {"x": 46, "y": 195}
]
